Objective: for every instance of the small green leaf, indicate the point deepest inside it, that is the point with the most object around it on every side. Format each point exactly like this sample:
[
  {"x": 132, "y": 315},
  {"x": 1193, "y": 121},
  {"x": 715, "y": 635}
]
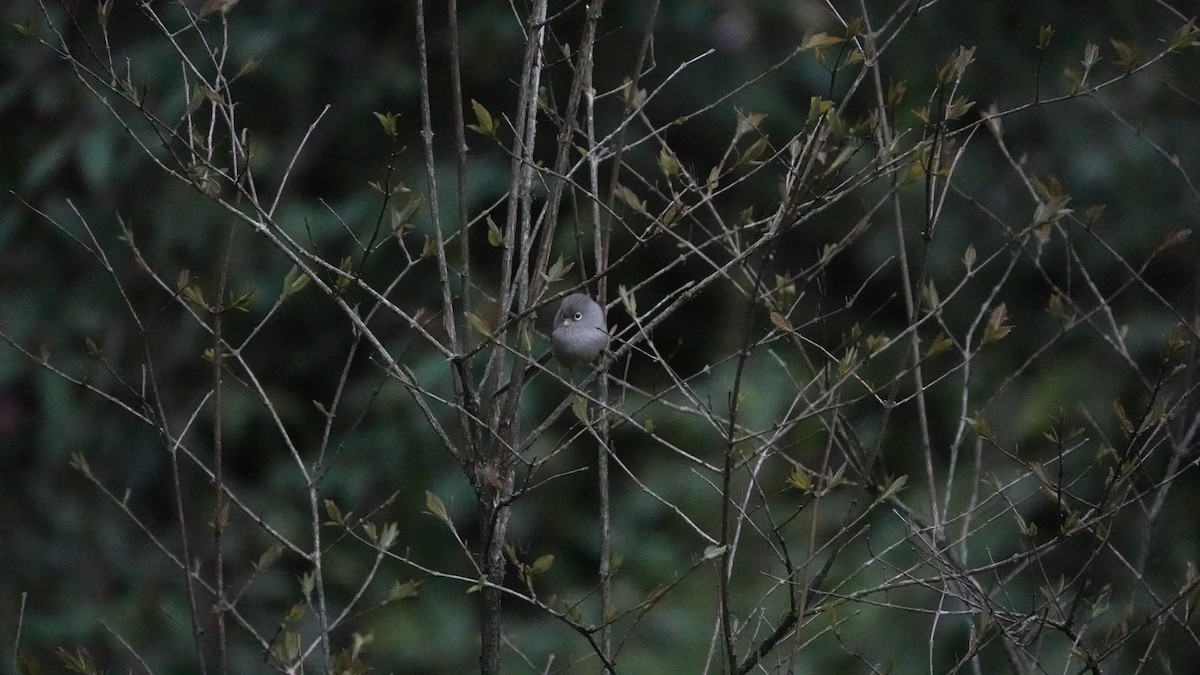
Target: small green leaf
[
  {"x": 334, "y": 513},
  {"x": 755, "y": 151},
  {"x": 242, "y": 301},
  {"x": 388, "y": 122},
  {"x": 627, "y": 300},
  {"x": 843, "y": 156},
  {"x": 212, "y": 95},
  {"x": 495, "y": 236},
  {"x": 635, "y": 98},
  {"x": 308, "y": 581},
  {"x": 343, "y": 280},
  {"x": 980, "y": 426},
  {"x": 997, "y": 325},
  {"x": 1174, "y": 238},
  {"x": 959, "y": 107},
  {"x": 79, "y": 662},
  {"x": 211, "y": 6},
  {"x": 894, "y": 487},
  {"x": 914, "y": 173},
  {"x": 747, "y": 122},
  {"x": 479, "y": 325},
  {"x": 269, "y": 557},
  {"x": 401, "y": 218},
  {"x": 940, "y": 344},
  {"x": 929, "y": 296},
  {"x": 800, "y": 480},
  {"x": 1044, "y": 35},
  {"x": 387, "y": 538},
  {"x": 1091, "y": 56},
  {"x": 668, "y": 164},
  {"x": 248, "y": 66},
  {"x": 781, "y": 322},
  {"x": 286, "y": 650},
  {"x": 819, "y": 40},
  {"x": 436, "y": 507},
  {"x": 477, "y": 586},
  {"x": 526, "y": 339},
  {"x": 80, "y": 463},
  {"x": 294, "y": 281},
  {"x": 484, "y": 125},
  {"x": 848, "y": 362},
  {"x": 817, "y": 107},
  {"x": 1184, "y": 36},
  {"x": 542, "y": 564},
  {"x": 853, "y": 27},
  {"x": 876, "y": 344},
  {"x": 1027, "y": 528},
  {"x": 580, "y": 408},
  {"x": 630, "y": 198},
  {"x": 895, "y": 93},
  {"x": 785, "y": 289},
  {"x": 403, "y": 591},
  {"x": 714, "y": 178},
  {"x": 23, "y": 27},
  {"x": 103, "y": 12},
  {"x": 295, "y": 613},
  {"x": 557, "y": 270},
  {"x": 1126, "y": 55},
  {"x": 671, "y": 213},
  {"x": 1123, "y": 418},
  {"x": 191, "y": 289}
]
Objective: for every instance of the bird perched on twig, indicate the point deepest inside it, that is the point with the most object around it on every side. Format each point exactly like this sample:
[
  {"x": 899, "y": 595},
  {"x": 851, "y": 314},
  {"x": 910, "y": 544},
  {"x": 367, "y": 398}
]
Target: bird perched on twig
[{"x": 580, "y": 333}]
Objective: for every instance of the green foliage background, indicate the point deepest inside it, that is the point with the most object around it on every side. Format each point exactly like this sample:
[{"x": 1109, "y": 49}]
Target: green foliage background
[{"x": 76, "y": 571}]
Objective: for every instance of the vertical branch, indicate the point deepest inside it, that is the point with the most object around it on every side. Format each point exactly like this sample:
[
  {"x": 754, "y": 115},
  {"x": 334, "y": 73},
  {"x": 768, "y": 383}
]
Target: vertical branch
[
  {"x": 601, "y": 428},
  {"x": 517, "y": 227},
  {"x": 583, "y": 69},
  {"x": 630, "y": 97},
  {"x": 600, "y": 241},
  {"x": 725, "y": 571},
  {"x": 468, "y": 410},
  {"x": 220, "y": 517},
  {"x": 180, "y": 515},
  {"x": 460, "y": 159},
  {"x": 491, "y": 468},
  {"x": 908, "y": 285},
  {"x": 221, "y": 507},
  {"x": 448, "y": 314},
  {"x": 602, "y": 238},
  {"x": 727, "y": 541}
]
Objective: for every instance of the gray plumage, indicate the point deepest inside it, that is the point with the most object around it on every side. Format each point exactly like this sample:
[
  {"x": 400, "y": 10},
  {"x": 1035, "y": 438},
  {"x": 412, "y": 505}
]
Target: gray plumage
[{"x": 579, "y": 333}]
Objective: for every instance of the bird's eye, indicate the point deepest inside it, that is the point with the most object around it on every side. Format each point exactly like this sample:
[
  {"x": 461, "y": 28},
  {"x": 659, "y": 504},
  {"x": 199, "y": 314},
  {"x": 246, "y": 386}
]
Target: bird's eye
[{"x": 578, "y": 315}]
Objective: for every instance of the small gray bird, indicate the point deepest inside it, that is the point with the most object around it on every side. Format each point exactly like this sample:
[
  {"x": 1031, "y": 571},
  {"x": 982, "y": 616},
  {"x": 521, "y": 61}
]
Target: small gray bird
[
  {"x": 579, "y": 333},
  {"x": 578, "y": 336}
]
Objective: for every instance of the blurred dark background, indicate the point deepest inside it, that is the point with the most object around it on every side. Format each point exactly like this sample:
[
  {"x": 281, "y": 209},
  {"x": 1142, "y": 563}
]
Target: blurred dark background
[{"x": 74, "y": 570}]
